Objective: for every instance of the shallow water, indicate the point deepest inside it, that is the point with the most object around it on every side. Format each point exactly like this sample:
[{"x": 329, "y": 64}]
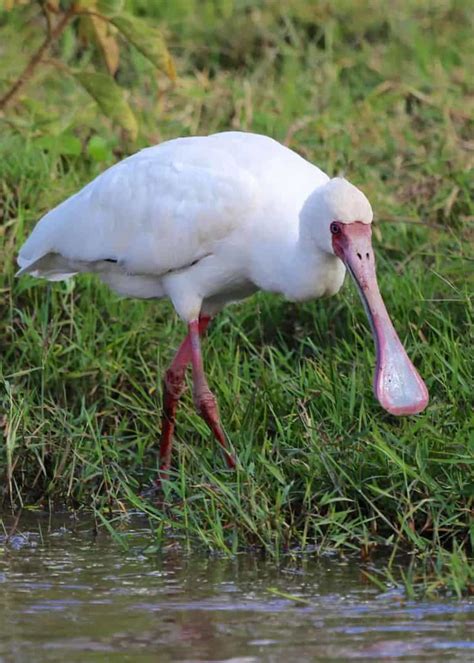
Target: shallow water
[{"x": 67, "y": 595}]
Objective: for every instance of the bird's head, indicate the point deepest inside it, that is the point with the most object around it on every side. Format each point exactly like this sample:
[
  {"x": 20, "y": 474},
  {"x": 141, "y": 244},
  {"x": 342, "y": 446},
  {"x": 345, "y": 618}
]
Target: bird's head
[{"x": 338, "y": 219}]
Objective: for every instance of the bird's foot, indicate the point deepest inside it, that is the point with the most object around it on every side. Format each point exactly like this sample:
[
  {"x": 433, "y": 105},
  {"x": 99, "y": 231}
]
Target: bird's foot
[
  {"x": 153, "y": 492},
  {"x": 163, "y": 475}
]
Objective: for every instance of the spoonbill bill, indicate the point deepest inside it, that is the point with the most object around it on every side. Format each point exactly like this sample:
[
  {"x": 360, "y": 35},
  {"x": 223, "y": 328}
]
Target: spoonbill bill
[{"x": 209, "y": 220}]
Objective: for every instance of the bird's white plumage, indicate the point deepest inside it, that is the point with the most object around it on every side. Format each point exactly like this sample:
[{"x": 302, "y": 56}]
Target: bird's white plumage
[{"x": 203, "y": 220}]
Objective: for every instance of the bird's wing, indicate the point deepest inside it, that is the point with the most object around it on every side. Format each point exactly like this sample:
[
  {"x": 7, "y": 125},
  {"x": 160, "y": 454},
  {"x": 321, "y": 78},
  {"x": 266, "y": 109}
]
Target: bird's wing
[{"x": 156, "y": 211}]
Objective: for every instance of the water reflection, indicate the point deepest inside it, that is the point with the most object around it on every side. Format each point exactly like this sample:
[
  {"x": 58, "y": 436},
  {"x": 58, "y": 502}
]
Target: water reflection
[{"x": 68, "y": 594}]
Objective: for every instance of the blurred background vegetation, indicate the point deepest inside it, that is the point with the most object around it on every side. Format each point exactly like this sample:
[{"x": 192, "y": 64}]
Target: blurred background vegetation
[
  {"x": 356, "y": 86},
  {"x": 379, "y": 91}
]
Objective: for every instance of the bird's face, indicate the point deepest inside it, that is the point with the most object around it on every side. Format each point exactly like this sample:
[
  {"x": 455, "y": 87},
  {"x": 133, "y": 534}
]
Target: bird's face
[{"x": 397, "y": 384}]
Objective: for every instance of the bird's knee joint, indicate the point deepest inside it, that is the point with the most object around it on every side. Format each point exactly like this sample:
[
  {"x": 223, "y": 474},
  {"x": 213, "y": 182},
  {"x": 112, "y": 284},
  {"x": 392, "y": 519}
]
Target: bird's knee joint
[
  {"x": 174, "y": 384},
  {"x": 206, "y": 404}
]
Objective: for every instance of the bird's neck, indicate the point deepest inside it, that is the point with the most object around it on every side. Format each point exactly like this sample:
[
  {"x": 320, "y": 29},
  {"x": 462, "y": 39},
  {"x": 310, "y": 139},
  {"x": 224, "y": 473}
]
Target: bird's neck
[
  {"x": 299, "y": 274},
  {"x": 311, "y": 274}
]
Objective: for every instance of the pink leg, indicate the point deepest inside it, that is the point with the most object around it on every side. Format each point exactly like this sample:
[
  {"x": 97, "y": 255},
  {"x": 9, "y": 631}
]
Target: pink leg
[
  {"x": 173, "y": 388},
  {"x": 203, "y": 397}
]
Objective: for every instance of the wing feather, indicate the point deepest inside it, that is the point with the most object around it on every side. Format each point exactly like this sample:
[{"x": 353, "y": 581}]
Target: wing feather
[{"x": 154, "y": 212}]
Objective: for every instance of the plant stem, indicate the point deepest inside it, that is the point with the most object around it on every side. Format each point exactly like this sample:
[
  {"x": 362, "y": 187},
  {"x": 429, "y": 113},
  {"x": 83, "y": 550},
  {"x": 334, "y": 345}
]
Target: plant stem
[{"x": 29, "y": 70}]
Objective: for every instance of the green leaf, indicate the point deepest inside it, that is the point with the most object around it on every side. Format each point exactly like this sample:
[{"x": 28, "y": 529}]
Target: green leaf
[
  {"x": 65, "y": 144},
  {"x": 80, "y": 5},
  {"x": 148, "y": 40},
  {"x": 110, "y": 99},
  {"x": 69, "y": 145},
  {"x": 99, "y": 31},
  {"x": 110, "y": 7},
  {"x": 98, "y": 149}
]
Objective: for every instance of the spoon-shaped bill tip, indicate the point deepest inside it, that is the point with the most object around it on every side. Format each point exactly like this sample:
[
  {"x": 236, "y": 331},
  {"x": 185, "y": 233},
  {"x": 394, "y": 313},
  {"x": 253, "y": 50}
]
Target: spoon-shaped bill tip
[{"x": 397, "y": 384}]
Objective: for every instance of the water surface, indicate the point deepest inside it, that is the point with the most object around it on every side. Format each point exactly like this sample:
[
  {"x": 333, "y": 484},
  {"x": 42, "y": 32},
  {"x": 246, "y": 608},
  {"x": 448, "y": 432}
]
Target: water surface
[{"x": 68, "y": 595}]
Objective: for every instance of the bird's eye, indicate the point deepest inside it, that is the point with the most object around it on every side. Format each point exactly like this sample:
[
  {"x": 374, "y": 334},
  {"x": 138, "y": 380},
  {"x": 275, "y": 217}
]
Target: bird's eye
[{"x": 335, "y": 228}]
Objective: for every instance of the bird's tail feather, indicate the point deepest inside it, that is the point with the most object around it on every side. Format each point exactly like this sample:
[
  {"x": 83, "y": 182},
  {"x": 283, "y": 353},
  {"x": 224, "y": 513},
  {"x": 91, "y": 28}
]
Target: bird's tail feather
[{"x": 51, "y": 266}]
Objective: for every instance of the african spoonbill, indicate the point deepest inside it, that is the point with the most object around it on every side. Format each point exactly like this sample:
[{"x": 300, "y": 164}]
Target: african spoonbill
[{"x": 209, "y": 220}]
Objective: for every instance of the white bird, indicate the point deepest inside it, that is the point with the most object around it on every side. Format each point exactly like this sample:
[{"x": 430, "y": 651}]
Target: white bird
[{"x": 209, "y": 220}]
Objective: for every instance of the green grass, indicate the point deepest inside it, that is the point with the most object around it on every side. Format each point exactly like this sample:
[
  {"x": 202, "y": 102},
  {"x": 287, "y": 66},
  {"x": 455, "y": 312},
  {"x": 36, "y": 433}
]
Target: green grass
[{"x": 381, "y": 94}]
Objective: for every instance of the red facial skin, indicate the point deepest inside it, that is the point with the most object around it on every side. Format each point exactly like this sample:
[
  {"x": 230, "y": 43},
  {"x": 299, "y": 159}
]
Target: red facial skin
[{"x": 397, "y": 384}]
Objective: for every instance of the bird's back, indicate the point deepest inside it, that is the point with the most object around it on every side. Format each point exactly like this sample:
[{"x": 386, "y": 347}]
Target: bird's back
[{"x": 166, "y": 206}]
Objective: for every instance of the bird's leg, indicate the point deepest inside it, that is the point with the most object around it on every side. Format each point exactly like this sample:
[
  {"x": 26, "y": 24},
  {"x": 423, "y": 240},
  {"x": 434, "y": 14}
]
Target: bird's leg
[
  {"x": 173, "y": 388},
  {"x": 204, "y": 399}
]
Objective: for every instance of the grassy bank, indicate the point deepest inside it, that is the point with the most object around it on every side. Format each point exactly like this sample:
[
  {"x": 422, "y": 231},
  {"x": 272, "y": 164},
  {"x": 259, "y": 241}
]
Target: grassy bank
[{"x": 379, "y": 94}]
